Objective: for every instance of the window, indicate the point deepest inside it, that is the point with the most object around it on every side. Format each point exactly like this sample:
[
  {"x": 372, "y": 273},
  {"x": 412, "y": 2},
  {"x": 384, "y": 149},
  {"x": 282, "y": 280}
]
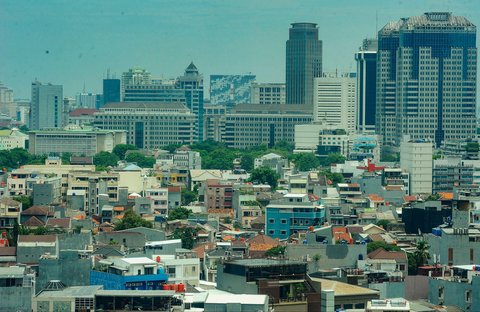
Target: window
[
  {"x": 450, "y": 256},
  {"x": 148, "y": 271},
  {"x": 271, "y": 221},
  {"x": 283, "y": 221},
  {"x": 440, "y": 292},
  {"x": 468, "y": 296},
  {"x": 283, "y": 232},
  {"x": 193, "y": 268},
  {"x": 271, "y": 232}
]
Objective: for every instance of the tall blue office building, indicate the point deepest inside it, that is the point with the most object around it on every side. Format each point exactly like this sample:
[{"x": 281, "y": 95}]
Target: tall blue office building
[
  {"x": 192, "y": 84},
  {"x": 111, "y": 91},
  {"x": 366, "y": 85},
  {"x": 427, "y": 79}
]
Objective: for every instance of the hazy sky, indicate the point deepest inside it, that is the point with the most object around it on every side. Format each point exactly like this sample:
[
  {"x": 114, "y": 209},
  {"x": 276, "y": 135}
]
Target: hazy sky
[{"x": 74, "y": 42}]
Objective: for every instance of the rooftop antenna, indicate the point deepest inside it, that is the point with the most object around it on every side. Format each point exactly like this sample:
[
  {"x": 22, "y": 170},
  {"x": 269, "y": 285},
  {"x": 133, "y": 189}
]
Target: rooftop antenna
[
  {"x": 376, "y": 24},
  {"x": 84, "y": 86},
  {"x": 108, "y": 73}
]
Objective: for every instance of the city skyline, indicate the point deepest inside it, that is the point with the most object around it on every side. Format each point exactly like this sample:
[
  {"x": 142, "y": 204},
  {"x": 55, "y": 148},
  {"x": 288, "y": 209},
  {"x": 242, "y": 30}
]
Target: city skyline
[{"x": 76, "y": 43}]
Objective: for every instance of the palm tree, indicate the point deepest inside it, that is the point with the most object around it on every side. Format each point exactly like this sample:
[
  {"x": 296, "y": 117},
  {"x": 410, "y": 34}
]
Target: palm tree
[{"x": 421, "y": 252}]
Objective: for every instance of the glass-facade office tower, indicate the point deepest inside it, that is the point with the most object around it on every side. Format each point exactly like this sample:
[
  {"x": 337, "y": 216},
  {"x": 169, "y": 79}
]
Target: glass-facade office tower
[
  {"x": 366, "y": 85},
  {"x": 303, "y": 63},
  {"x": 47, "y": 106},
  {"x": 111, "y": 91},
  {"x": 192, "y": 84},
  {"x": 426, "y": 78}
]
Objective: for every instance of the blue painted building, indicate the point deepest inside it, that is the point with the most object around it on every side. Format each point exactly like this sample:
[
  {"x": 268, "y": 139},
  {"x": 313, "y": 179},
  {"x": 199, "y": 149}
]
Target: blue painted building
[
  {"x": 129, "y": 274},
  {"x": 291, "y": 214}
]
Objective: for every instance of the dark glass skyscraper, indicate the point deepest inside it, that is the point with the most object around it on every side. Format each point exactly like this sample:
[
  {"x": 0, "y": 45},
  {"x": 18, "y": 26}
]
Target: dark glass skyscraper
[
  {"x": 366, "y": 85},
  {"x": 426, "y": 78},
  {"x": 111, "y": 90},
  {"x": 303, "y": 63}
]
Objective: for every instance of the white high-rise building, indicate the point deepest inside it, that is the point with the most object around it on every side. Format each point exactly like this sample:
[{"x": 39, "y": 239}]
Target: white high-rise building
[
  {"x": 47, "y": 106},
  {"x": 416, "y": 159},
  {"x": 7, "y": 104},
  {"x": 86, "y": 100},
  {"x": 335, "y": 101}
]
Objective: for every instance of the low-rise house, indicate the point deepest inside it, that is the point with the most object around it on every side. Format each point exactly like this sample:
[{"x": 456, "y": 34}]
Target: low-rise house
[
  {"x": 9, "y": 212},
  {"x": 182, "y": 267},
  {"x": 63, "y": 224},
  {"x": 31, "y": 247},
  {"x": 42, "y": 213},
  {"x": 231, "y": 302},
  {"x": 260, "y": 244},
  {"x": 395, "y": 263},
  {"x": 458, "y": 286},
  {"x": 17, "y": 288},
  {"x": 346, "y": 296},
  {"x": 291, "y": 214},
  {"x": 139, "y": 273},
  {"x": 280, "y": 279},
  {"x": 8, "y": 256}
]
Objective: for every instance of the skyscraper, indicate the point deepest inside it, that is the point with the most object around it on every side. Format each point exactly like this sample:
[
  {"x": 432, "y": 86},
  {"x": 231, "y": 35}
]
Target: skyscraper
[
  {"x": 46, "y": 108},
  {"x": 429, "y": 92},
  {"x": 303, "y": 62},
  {"x": 335, "y": 101},
  {"x": 192, "y": 83},
  {"x": 111, "y": 90},
  {"x": 366, "y": 85}
]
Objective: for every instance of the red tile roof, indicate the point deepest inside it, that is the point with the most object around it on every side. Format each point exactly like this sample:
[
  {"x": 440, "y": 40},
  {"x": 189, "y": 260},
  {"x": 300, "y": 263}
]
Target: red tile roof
[
  {"x": 381, "y": 253},
  {"x": 63, "y": 223},
  {"x": 8, "y": 251},
  {"x": 83, "y": 112},
  {"x": 37, "y": 211},
  {"x": 37, "y": 238},
  {"x": 33, "y": 221}
]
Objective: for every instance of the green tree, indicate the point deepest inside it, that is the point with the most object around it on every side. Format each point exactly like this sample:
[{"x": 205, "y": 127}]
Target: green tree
[
  {"x": 412, "y": 264},
  {"x": 131, "y": 220},
  {"x": 188, "y": 197},
  {"x": 140, "y": 159},
  {"x": 105, "y": 159},
  {"x": 171, "y": 148},
  {"x": 187, "y": 235},
  {"x": 372, "y": 246},
  {"x": 284, "y": 146},
  {"x": 23, "y": 128},
  {"x": 265, "y": 175},
  {"x": 227, "y": 220},
  {"x": 383, "y": 223},
  {"x": 66, "y": 158},
  {"x": 472, "y": 147},
  {"x": 275, "y": 251},
  {"x": 27, "y": 201},
  {"x": 248, "y": 162},
  {"x": 121, "y": 149},
  {"x": 306, "y": 161},
  {"x": 334, "y": 177},
  {"x": 332, "y": 159},
  {"x": 41, "y": 230},
  {"x": 180, "y": 213},
  {"x": 237, "y": 225},
  {"x": 421, "y": 253}
]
